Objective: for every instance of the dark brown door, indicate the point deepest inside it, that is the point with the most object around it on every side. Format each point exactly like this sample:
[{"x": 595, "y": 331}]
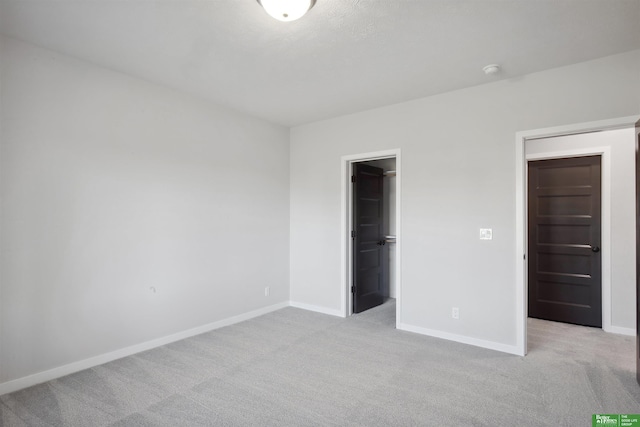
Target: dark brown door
[
  {"x": 565, "y": 260},
  {"x": 369, "y": 272}
]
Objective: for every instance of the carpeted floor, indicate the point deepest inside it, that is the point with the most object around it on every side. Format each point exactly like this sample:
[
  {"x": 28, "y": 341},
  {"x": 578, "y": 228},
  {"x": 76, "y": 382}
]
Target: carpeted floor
[{"x": 299, "y": 368}]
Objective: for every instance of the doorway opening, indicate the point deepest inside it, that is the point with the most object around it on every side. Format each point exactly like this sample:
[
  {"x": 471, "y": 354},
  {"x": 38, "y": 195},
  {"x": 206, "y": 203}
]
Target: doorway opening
[
  {"x": 371, "y": 226},
  {"x": 608, "y": 139},
  {"x": 564, "y": 154}
]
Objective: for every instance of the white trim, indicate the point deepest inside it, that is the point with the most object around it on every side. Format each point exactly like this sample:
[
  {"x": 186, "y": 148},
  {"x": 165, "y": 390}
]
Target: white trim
[
  {"x": 317, "y": 309},
  {"x": 622, "y": 331},
  {"x": 521, "y": 295},
  {"x": 51, "y": 374},
  {"x": 520, "y": 193},
  {"x": 491, "y": 345},
  {"x": 597, "y": 126},
  {"x": 346, "y": 163},
  {"x": 605, "y": 153}
]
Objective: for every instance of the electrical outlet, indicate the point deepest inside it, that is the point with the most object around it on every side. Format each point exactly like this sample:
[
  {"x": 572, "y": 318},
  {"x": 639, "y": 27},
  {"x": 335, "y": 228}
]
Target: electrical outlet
[
  {"x": 267, "y": 291},
  {"x": 455, "y": 312}
]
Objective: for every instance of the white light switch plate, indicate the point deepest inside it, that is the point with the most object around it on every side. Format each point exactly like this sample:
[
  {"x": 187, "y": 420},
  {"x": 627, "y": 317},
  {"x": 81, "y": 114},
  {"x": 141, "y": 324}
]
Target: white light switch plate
[{"x": 486, "y": 234}]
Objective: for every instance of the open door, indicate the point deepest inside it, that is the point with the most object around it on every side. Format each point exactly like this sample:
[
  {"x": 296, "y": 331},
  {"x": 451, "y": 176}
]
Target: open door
[{"x": 369, "y": 270}]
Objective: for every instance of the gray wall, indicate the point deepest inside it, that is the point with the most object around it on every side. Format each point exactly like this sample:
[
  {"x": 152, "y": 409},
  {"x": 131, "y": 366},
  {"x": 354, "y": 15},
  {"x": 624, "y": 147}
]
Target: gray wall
[
  {"x": 112, "y": 186},
  {"x": 458, "y": 175}
]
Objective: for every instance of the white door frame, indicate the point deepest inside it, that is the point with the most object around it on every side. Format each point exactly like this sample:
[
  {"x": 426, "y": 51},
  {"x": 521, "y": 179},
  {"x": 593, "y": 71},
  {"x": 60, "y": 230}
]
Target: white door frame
[
  {"x": 521, "y": 212},
  {"x": 346, "y": 166}
]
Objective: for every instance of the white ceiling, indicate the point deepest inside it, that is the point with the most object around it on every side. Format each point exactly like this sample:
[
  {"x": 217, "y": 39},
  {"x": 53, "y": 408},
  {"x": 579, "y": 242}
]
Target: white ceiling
[{"x": 343, "y": 56}]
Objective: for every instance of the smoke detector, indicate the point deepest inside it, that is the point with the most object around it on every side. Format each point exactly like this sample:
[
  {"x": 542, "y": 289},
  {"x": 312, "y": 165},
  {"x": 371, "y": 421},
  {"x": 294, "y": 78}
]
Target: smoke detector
[{"x": 491, "y": 69}]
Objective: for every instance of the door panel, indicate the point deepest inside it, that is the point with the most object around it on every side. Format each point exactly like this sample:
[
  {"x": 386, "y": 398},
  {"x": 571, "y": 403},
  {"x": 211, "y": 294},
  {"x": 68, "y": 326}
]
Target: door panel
[
  {"x": 564, "y": 236},
  {"x": 369, "y": 269}
]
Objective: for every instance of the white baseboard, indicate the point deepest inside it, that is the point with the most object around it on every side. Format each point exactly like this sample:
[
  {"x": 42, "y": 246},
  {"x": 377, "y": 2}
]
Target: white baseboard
[
  {"x": 621, "y": 331},
  {"x": 51, "y": 374},
  {"x": 491, "y": 345},
  {"x": 317, "y": 309}
]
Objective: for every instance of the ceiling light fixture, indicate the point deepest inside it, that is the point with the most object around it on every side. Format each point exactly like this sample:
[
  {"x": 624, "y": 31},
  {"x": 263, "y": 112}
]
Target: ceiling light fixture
[{"x": 287, "y": 10}]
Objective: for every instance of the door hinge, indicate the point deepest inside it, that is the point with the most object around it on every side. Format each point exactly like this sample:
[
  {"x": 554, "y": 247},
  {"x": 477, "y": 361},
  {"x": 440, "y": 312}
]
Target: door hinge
[
  {"x": 524, "y": 256},
  {"x": 353, "y": 234},
  {"x": 353, "y": 178},
  {"x": 353, "y": 289}
]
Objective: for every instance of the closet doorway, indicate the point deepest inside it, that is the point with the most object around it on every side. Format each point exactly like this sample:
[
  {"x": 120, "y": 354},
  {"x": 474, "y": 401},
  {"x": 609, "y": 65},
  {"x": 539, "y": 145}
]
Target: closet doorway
[{"x": 371, "y": 211}]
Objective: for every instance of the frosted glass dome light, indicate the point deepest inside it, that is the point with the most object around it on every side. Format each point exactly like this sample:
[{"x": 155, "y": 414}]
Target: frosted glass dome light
[{"x": 287, "y": 10}]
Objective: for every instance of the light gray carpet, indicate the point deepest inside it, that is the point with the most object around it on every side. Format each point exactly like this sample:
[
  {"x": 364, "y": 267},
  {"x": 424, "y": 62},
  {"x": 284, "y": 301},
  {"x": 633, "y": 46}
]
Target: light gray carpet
[{"x": 298, "y": 368}]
